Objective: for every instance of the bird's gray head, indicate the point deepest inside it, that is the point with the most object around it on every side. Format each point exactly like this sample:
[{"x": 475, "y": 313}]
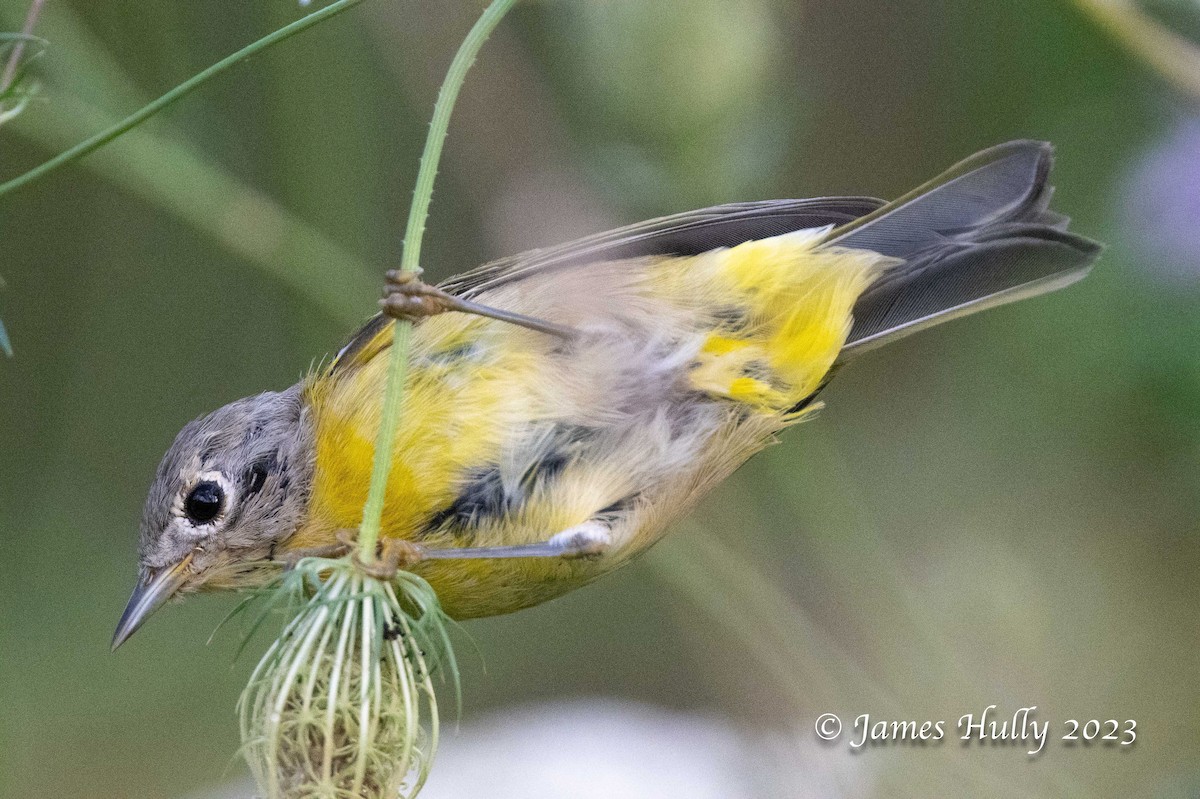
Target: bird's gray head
[{"x": 233, "y": 484}]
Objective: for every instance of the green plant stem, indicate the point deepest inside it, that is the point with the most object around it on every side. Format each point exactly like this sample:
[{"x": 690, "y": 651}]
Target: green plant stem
[
  {"x": 102, "y": 138},
  {"x": 393, "y": 398},
  {"x": 159, "y": 165},
  {"x": 165, "y": 170},
  {"x": 14, "y": 59}
]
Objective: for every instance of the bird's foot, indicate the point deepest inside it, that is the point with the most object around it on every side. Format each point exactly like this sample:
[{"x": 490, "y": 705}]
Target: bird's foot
[
  {"x": 586, "y": 540},
  {"x": 337, "y": 550},
  {"x": 408, "y": 298}
]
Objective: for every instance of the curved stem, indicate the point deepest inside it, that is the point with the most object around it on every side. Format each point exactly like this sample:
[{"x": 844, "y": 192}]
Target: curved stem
[
  {"x": 14, "y": 59},
  {"x": 102, "y": 138},
  {"x": 393, "y": 398}
]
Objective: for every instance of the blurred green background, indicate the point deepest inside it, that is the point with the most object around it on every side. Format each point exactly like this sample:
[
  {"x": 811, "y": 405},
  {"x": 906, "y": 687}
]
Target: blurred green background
[{"x": 1001, "y": 511}]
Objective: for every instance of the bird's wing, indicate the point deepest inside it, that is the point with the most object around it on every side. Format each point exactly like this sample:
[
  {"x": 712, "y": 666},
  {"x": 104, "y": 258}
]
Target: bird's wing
[{"x": 684, "y": 234}]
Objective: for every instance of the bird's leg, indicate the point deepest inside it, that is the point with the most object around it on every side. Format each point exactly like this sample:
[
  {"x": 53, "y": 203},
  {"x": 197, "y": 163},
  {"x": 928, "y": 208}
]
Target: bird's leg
[
  {"x": 408, "y": 297},
  {"x": 584, "y": 540},
  {"x": 590, "y": 539},
  {"x": 328, "y": 551},
  {"x": 389, "y": 551}
]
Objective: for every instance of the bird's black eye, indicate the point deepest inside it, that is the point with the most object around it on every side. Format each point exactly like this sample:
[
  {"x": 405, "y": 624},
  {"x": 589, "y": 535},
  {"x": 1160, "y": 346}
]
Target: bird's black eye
[{"x": 204, "y": 502}]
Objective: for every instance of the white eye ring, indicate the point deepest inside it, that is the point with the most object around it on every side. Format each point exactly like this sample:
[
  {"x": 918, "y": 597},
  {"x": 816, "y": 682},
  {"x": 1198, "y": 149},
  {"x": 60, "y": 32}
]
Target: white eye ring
[
  {"x": 213, "y": 477},
  {"x": 196, "y": 530}
]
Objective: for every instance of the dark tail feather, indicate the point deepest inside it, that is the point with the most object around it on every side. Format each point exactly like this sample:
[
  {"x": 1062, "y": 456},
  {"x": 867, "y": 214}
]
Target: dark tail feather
[{"x": 977, "y": 236}]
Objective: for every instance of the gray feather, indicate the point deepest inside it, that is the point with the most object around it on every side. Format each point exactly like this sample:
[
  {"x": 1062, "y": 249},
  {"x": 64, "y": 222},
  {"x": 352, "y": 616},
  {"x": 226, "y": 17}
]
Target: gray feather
[
  {"x": 685, "y": 234},
  {"x": 977, "y": 236}
]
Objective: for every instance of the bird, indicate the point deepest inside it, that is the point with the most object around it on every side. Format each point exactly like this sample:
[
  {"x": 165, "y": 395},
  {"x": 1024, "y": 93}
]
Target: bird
[{"x": 565, "y": 406}]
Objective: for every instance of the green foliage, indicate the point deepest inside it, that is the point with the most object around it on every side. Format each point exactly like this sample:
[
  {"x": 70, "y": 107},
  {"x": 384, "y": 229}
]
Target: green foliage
[
  {"x": 17, "y": 52},
  {"x": 20, "y": 87},
  {"x": 95, "y": 142}
]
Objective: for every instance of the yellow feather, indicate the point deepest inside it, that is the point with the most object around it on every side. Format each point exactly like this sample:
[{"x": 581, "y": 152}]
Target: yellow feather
[
  {"x": 797, "y": 299},
  {"x": 754, "y": 327}
]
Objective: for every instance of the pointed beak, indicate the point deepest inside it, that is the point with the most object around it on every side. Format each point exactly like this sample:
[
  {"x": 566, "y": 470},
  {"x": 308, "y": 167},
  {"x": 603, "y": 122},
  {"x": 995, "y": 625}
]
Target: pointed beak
[{"x": 149, "y": 596}]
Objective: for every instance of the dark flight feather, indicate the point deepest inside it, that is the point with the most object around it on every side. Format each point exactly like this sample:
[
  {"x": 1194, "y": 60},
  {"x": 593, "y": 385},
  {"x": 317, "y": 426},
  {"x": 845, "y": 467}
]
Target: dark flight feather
[
  {"x": 977, "y": 236},
  {"x": 686, "y": 234},
  {"x": 689, "y": 233}
]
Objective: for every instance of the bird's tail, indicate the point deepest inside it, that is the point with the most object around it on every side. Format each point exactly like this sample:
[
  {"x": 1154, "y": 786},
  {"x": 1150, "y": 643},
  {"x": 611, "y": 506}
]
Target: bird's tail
[{"x": 977, "y": 236}]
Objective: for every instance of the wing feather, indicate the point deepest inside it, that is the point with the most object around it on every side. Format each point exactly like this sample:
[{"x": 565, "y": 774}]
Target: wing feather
[{"x": 685, "y": 234}]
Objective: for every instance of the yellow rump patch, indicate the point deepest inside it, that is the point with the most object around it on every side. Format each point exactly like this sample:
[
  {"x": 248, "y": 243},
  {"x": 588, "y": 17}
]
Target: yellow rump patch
[{"x": 791, "y": 303}]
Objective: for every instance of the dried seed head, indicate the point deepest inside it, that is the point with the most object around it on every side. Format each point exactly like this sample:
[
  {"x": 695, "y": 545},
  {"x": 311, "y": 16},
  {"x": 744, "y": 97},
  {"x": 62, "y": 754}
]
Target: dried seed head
[{"x": 342, "y": 704}]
